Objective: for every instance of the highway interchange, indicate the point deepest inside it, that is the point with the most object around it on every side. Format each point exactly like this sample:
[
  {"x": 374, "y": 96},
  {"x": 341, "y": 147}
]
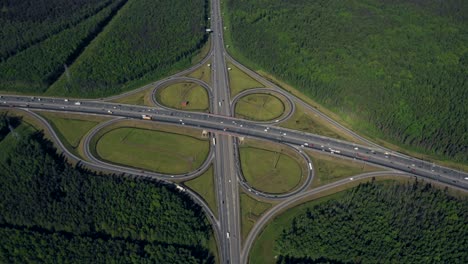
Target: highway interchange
[{"x": 225, "y": 129}]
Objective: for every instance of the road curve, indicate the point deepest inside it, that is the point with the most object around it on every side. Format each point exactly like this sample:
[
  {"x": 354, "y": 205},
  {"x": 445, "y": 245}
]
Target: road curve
[
  {"x": 232, "y": 126},
  {"x": 283, "y": 117},
  {"x": 195, "y": 196},
  {"x": 157, "y": 83},
  {"x": 163, "y": 84},
  {"x": 263, "y": 221},
  {"x": 275, "y": 196},
  {"x": 130, "y": 170},
  {"x": 292, "y": 97}
]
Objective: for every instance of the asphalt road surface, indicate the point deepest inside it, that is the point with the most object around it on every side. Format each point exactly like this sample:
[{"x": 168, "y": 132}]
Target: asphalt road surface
[
  {"x": 225, "y": 128},
  {"x": 232, "y": 126},
  {"x": 225, "y": 169}
]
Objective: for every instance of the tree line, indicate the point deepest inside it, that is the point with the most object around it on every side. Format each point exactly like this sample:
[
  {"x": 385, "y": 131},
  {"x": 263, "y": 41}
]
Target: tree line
[
  {"x": 28, "y": 22},
  {"x": 394, "y": 70},
  {"x": 148, "y": 40},
  {"x": 49, "y": 206},
  {"x": 380, "y": 223},
  {"x": 35, "y": 68}
]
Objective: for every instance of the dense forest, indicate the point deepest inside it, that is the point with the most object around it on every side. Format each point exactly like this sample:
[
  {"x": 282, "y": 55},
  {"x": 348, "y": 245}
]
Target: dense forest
[
  {"x": 380, "y": 223},
  {"x": 44, "y": 50},
  {"x": 393, "y": 69},
  {"x": 91, "y": 48},
  {"x": 50, "y": 210},
  {"x": 28, "y": 22},
  {"x": 146, "y": 40}
]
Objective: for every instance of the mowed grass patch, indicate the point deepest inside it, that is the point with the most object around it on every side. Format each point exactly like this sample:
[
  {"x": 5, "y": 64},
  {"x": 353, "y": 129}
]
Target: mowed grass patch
[
  {"x": 259, "y": 107},
  {"x": 71, "y": 128},
  {"x": 329, "y": 169},
  {"x": 184, "y": 96},
  {"x": 139, "y": 98},
  {"x": 204, "y": 185},
  {"x": 251, "y": 210},
  {"x": 213, "y": 247},
  {"x": 152, "y": 150},
  {"x": 202, "y": 73},
  {"x": 271, "y": 167},
  {"x": 307, "y": 121},
  {"x": 240, "y": 81}
]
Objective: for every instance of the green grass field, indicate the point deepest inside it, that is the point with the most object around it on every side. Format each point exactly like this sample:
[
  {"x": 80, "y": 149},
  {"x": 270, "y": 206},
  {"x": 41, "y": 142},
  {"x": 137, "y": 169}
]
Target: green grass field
[
  {"x": 176, "y": 94},
  {"x": 240, "y": 81},
  {"x": 273, "y": 171},
  {"x": 329, "y": 169},
  {"x": 251, "y": 210},
  {"x": 213, "y": 247},
  {"x": 259, "y": 107},
  {"x": 71, "y": 127},
  {"x": 202, "y": 73},
  {"x": 309, "y": 122},
  {"x": 139, "y": 98},
  {"x": 204, "y": 185},
  {"x": 152, "y": 150}
]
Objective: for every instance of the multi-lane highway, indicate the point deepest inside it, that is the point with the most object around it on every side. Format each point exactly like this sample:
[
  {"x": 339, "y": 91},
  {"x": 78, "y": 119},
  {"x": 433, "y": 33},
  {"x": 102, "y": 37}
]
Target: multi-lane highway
[
  {"x": 225, "y": 128},
  {"x": 233, "y": 126},
  {"x": 225, "y": 169}
]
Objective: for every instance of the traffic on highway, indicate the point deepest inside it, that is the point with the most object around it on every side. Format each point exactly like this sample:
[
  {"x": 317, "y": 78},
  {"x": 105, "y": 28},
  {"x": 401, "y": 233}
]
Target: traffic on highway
[{"x": 233, "y": 126}]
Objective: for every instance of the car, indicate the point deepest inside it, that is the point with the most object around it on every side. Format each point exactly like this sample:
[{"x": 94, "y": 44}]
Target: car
[{"x": 356, "y": 148}]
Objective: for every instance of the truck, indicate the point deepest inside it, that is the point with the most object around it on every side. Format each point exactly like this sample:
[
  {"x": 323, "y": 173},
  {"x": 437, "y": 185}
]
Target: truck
[
  {"x": 180, "y": 188},
  {"x": 146, "y": 117},
  {"x": 214, "y": 141},
  {"x": 310, "y": 166}
]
